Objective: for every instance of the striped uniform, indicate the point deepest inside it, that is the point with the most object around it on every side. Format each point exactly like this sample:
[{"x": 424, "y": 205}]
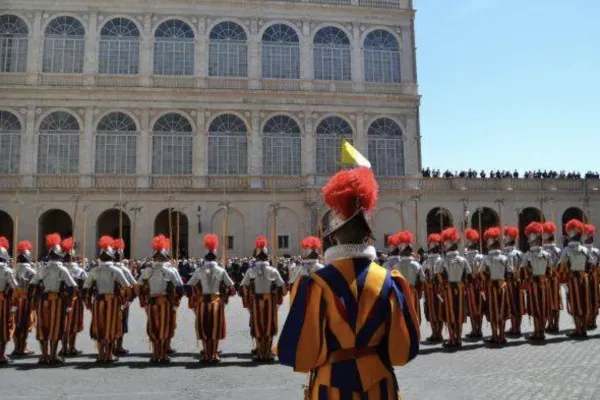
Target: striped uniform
[
  {"x": 536, "y": 263},
  {"x": 350, "y": 323},
  {"x": 454, "y": 270},
  {"x": 74, "y": 320},
  {"x": 25, "y": 314},
  {"x": 574, "y": 261},
  {"x": 126, "y": 302},
  {"x": 554, "y": 284},
  {"x": 108, "y": 282},
  {"x": 302, "y": 271},
  {"x": 8, "y": 284},
  {"x": 52, "y": 304}
]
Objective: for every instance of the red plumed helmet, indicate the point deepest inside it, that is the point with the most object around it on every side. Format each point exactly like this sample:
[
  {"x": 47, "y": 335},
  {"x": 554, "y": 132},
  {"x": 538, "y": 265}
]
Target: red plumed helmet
[
  {"x": 310, "y": 243},
  {"x": 105, "y": 242},
  {"x": 492, "y": 233},
  {"x": 261, "y": 242},
  {"x": 434, "y": 238},
  {"x": 534, "y": 228},
  {"x": 119, "y": 244},
  {"x": 349, "y": 190},
  {"x": 52, "y": 240},
  {"x": 160, "y": 242},
  {"x": 405, "y": 237},
  {"x": 549, "y": 227},
  {"x": 574, "y": 225},
  {"x": 450, "y": 234},
  {"x": 211, "y": 242},
  {"x": 24, "y": 245},
  {"x": 4, "y": 242},
  {"x": 512, "y": 232},
  {"x": 472, "y": 235},
  {"x": 67, "y": 244},
  {"x": 589, "y": 229},
  {"x": 393, "y": 240}
]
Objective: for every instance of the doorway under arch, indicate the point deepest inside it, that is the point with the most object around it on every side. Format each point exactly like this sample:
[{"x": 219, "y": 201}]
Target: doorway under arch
[
  {"x": 108, "y": 224},
  {"x": 179, "y": 239}
]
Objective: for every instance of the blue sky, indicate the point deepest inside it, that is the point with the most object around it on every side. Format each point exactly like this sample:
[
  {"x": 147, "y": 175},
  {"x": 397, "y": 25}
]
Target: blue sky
[{"x": 509, "y": 83}]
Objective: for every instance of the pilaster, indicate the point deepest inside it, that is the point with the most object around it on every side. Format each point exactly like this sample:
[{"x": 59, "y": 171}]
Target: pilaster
[
  {"x": 361, "y": 139},
  {"x": 357, "y": 59},
  {"x": 34, "y": 50},
  {"x": 200, "y": 145},
  {"x": 255, "y": 145},
  {"x": 144, "y": 150},
  {"x": 90, "y": 63},
  {"x": 254, "y": 55},
  {"x": 29, "y": 144},
  {"x": 86, "y": 148},
  {"x": 406, "y": 56},
  {"x": 201, "y": 57},
  {"x": 146, "y": 52},
  {"x": 308, "y": 145}
]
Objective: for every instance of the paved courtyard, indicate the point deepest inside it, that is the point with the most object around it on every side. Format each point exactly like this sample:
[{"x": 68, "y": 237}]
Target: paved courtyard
[{"x": 561, "y": 369}]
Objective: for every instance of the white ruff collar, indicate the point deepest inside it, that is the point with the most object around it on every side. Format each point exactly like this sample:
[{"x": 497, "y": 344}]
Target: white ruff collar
[{"x": 350, "y": 251}]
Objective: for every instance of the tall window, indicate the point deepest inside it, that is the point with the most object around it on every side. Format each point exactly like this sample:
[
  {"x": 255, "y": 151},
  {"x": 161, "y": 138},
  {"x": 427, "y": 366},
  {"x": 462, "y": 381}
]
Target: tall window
[
  {"x": 332, "y": 55},
  {"x": 228, "y": 146},
  {"x": 228, "y": 53},
  {"x": 330, "y": 133},
  {"x": 119, "y": 47},
  {"x": 58, "y": 148},
  {"x": 282, "y": 147},
  {"x": 13, "y": 44},
  {"x": 10, "y": 143},
  {"x": 174, "y": 48},
  {"x": 116, "y": 138},
  {"x": 172, "y": 145},
  {"x": 64, "y": 44},
  {"x": 382, "y": 57},
  {"x": 280, "y": 53},
  {"x": 386, "y": 148}
]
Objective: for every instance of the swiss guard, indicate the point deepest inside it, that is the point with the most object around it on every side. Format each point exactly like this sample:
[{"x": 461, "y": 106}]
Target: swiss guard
[
  {"x": 411, "y": 270},
  {"x": 264, "y": 289},
  {"x": 555, "y": 300},
  {"x": 573, "y": 265},
  {"x": 8, "y": 284},
  {"x": 209, "y": 289},
  {"x": 74, "y": 320},
  {"x": 516, "y": 296},
  {"x": 119, "y": 247},
  {"x": 434, "y": 307},
  {"x": 593, "y": 271},
  {"x": 496, "y": 267},
  {"x": 393, "y": 241},
  {"x": 352, "y": 320},
  {"x": 475, "y": 302},
  {"x": 105, "y": 288},
  {"x": 159, "y": 291},
  {"x": 538, "y": 268},
  {"x": 53, "y": 289},
  {"x": 24, "y": 313},
  {"x": 310, "y": 263},
  {"x": 454, "y": 273}
]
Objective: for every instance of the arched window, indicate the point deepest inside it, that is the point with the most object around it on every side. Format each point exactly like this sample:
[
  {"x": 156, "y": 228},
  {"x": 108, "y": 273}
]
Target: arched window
[
  {"x": 10, "y": 143},
  {"x": 386, "y": 148},
  {"x": 13, "y": 44},
  {"x": 116, "y": 138},
  {"x": 172, "y": 145},
  {"x": 330, "y": 133},
  {"x": 174, "y": 48},
  {"x": 280, "y": 53},
  {"x": 119, "y": 47},
  {"x": 282, "y": 147},
  {"x": 58, "y": 148},
  {"x": 228, "y": 52},
  {"x": 382, "y": 57},
  {"x": 64, "y": 45},
  {"x": 228, "y": 146},
  {"x": 332, "y": 55}
]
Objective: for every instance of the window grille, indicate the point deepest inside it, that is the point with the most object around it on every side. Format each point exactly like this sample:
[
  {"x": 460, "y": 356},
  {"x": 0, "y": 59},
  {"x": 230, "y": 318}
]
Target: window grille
[
  {"x": 10, "y": 143},
  {"x": 174, "y": 49},
  {"x": 382, "y": 57},
  {"x": 119, "y": 47},
  {"x": 13, "y": 44},
  {"x": 116, "y": 139},
  {"x": 228, "y": 52},
  {"x": 282, "y": 147},
  {"x": 330, "y": 133},
  {"x": 283, "y": 242},
  {"x": 280, "y": 53},
  {"x": 228, "y": 146},
  {"x": 172, "y": 145},
  {"x": 386, "y": 148},
  {"x": 332, "y": 59},
  {"x": 64, "y": 46},
  {"x": 58, "y": 146}
]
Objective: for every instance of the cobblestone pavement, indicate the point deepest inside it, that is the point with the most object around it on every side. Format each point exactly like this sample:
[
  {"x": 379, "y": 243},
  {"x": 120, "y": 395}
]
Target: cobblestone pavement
[{"x": 561, "y": 369}]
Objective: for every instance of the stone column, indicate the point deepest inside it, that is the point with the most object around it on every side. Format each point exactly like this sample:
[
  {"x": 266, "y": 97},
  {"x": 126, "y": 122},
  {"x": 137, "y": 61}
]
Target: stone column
[
  {"x": 201, "y": 53},
  {"x": 200, "y": 150},
  {"x": 411, "y": 153},
  {"x": 34, "y": 50},
  {"x": 255, "y": 155},
  {"x": 144, "y": 150},
  {"x": 90, "y": 62},
  {"x": 406, "y": 56},
  {"x": 29, "y": 144},
  {"x": 306, "y": 54},
  {"x": 358, "y": 75},
  {"x": 308, "y": 145},
  {"x": 254, "y": 55},
  {"x": 146, "y": 52},
  {"x": 361, "y": 134},
  {"x": 86, "y": 146}
]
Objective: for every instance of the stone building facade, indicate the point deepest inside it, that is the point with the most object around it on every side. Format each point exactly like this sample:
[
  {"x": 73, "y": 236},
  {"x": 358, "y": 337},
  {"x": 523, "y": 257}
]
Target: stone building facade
[{"x": 227, "y": 113}]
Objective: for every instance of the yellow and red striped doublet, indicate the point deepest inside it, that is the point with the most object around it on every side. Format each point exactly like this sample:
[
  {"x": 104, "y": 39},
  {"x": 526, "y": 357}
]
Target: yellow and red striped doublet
[
  {"x": 6, "y": 320},
  {"x": 25, "y": 316},
  {"x": 106, "y": 317},
  {"x": 349, "y": 324},
  {"x": 74, "y": 319},
  {"x": 160, "y": 318},
  {"x": 210, "y": 317},
  {"x": 51, "y": 313},
  {"x": 498, "y": 310},
  {"x": 264, "y": 321}
]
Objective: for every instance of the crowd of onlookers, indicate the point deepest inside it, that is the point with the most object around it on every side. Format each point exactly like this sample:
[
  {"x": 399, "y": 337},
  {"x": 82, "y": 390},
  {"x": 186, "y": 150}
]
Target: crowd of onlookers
[{"x": 539, "y": 174}]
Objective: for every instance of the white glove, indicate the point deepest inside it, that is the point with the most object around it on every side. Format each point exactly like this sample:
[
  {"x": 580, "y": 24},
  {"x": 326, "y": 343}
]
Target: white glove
[
  {"x": 440, "y": 298},
  {"x": 69, "y": 309},
  {"x": 13, "y": 309},
  {"x": 483, "y": 296}
]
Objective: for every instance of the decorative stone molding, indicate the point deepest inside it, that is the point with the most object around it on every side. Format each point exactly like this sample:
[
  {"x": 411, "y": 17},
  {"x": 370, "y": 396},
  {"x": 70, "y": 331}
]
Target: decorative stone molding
[
  {"x": 38, "y": 111},
  {"x": 23, "y": 111},
  {"x": 193, "y": 113},
  {"x": 81, "y": 111},
  {"x": 96, "y": 111},
  {"x": 208, "y": 113}
]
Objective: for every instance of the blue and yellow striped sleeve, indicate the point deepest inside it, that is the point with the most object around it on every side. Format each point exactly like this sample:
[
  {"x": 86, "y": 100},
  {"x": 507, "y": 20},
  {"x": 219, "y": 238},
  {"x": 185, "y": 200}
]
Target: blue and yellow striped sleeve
[
  {"x": 302, "y": 343},
  {"x": 404, "y": 330}
]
